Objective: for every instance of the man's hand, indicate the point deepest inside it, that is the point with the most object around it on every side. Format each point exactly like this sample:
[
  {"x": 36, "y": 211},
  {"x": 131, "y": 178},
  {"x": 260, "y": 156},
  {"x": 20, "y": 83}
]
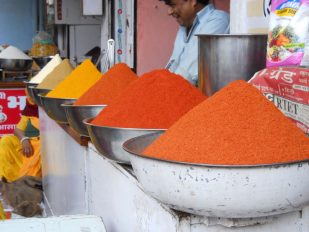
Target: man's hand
[{"x": 27, "y": 148}]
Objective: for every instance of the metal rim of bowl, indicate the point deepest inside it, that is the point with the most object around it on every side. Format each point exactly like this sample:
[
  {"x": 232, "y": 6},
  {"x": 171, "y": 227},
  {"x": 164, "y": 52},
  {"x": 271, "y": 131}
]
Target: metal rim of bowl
[
  {"x": 45, "y": 97},
  {"x": 206, "y": 165},
  {"x": 73, "y": 106},
  {"x": 42, "y": 89},
  {"x": 87, "y": 122},
  {"x": 29, "y": 83}
]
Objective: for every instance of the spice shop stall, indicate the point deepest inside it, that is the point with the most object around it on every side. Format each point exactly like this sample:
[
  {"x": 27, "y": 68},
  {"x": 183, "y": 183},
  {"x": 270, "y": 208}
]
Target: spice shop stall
[
  {"x": 173, "y": 185},
  {"x": 161, "y": 158},
  {"x": 150, "y": 156}
]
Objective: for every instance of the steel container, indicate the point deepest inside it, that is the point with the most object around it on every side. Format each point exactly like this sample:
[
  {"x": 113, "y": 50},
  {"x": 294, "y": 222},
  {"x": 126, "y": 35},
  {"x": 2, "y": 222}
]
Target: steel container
[
  {"x": 76, "y": 115},
  {"x": 228, "y": 57},
  {"x": 109, "y": 140},
  {"x": 29, "y": 87},
  {"x": 16, "y": 64},
  {"x": 221, "y": 190},
  {"x": 41, "y": 61},
  {"x": 35, "y": 92},
  {"x": 53, "y": 108}
]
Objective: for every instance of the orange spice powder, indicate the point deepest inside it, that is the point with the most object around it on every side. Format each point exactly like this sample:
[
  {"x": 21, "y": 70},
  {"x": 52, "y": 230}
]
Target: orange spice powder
[
  {"x": 77, "y": 82},
  {"x": 115, "y": 80},
  {"x": 154, "y": 101},
  {"x": 236, "y": 126}
]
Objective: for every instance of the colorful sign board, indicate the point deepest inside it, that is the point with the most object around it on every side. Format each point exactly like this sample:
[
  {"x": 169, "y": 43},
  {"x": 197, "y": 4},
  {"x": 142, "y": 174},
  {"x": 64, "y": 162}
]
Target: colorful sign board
[{"x": 12, "y": 102}]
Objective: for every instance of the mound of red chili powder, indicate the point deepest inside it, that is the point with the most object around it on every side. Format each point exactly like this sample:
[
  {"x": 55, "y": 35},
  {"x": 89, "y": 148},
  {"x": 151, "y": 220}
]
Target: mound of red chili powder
[
  {"x": 236, "y": 126},
  {"x": 154, "y": 101},
  {"x": 113, "y": 82}
]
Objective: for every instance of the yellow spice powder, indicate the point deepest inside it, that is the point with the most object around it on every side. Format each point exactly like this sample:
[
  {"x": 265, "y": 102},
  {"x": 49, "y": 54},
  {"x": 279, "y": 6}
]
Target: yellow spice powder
[
  {"x": 57, "y": 75},
  {"x": 78, "y": 82}
]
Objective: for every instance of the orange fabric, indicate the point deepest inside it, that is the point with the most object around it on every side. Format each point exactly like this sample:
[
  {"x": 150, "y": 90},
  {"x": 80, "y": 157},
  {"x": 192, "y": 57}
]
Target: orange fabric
[
  {"x": 32, "y": 166},
  {"x": 13, "y": 163},
  {"x": 11, "y": 157}
]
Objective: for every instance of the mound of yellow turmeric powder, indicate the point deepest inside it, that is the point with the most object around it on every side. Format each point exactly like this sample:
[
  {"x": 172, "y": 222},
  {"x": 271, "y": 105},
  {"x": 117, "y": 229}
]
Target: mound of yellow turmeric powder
[{"x": 77, "y": 82}]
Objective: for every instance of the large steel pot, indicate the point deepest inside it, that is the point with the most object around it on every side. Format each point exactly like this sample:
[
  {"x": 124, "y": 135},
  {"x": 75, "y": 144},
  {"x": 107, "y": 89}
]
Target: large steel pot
[{"x": 225, "y": 58}]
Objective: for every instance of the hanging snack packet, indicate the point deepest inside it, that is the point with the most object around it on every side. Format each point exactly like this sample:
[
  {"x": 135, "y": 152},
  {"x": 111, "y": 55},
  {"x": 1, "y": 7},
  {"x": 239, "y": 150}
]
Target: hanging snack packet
[
  {"x": 43, "y": 45},
  {"x": 288, "y": 42},
  {"x": 288, "y": 89}
]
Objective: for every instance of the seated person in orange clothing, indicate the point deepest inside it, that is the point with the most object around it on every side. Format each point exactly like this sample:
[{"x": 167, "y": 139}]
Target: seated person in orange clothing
[{"x": 20, "y": 153}]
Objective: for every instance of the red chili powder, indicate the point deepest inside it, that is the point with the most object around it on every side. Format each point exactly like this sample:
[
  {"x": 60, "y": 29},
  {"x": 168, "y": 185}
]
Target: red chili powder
[
  {"x": 236, "y": 126},
  {"x": 154, "y": 101},
  {"x": 113, "y": 82}
]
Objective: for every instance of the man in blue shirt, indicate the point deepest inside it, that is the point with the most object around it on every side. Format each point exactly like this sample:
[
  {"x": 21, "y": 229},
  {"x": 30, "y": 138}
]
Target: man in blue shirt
[{"x": 194, "y": 17}]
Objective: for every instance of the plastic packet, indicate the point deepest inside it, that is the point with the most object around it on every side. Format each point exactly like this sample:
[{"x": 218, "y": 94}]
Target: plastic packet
[
  {"x": 43, "y": 45},
  {"x": 288, "y": 41},
  {"x": 288, "y": 89}
]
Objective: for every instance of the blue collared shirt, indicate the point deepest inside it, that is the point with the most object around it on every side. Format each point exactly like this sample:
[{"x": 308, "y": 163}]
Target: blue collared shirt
[{"x": 184, "y": 59}]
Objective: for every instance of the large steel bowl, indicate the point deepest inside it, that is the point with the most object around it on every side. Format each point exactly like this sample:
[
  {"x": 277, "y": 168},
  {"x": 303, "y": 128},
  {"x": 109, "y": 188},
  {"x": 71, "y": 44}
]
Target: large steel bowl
[
  {"x": 108, "y": 140},
  {"x": 41, "y": 61},
  {"x": 35, "y": 92},
  {"x": 53, "y": 108},
  {"x": 15, "y": 64},
  {"x": 221, "y": 191},
  {"x": 76, "y": 115}
]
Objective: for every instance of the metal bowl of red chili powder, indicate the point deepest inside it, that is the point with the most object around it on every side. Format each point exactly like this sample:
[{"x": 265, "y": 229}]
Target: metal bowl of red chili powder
[
  {"x": 76, "y": 115},
  {"x": 221, "y": 191},
  {"x": 109, "y": 140},
  {"x": 53, "y": 108}
]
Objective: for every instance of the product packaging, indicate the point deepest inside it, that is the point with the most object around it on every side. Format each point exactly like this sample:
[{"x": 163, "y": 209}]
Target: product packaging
[
  {"x": 288, "y": 42},
  {"x": 288, "y": 89}
]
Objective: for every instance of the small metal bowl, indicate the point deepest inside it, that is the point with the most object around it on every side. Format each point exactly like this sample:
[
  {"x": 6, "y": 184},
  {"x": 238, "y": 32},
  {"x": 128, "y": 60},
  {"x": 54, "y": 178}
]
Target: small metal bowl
[
  {"x": 15, "y": 64},
  {"x": 35, "y": 92},
  {"x": 221, "y": 190},
  {"x": 76, "y": 115},
  {"x": 29, "y": 90},
  {"x": 108, "y": 140},
  {"x": 41, "y": 61},
  {"x": 53, "y": 108}
]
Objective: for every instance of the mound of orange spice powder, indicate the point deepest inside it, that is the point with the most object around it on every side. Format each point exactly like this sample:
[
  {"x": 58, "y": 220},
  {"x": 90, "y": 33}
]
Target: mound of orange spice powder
[
  {"x": 236, "y": 126},
  {"x": 115, "y": 80},
  {"x": 154, "y": 101}
]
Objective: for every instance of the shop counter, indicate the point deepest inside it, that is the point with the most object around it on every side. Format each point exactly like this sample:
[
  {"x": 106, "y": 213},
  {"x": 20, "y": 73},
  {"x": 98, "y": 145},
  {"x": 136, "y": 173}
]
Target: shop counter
[{"x": 63, "y": 169}]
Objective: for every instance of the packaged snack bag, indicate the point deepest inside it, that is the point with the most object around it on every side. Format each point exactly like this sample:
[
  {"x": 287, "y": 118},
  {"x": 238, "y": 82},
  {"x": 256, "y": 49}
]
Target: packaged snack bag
[
  {"x": 288, "y": 41},
  {"x": 43, "y": 45},
  {"x": 288, "y": 89}
]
